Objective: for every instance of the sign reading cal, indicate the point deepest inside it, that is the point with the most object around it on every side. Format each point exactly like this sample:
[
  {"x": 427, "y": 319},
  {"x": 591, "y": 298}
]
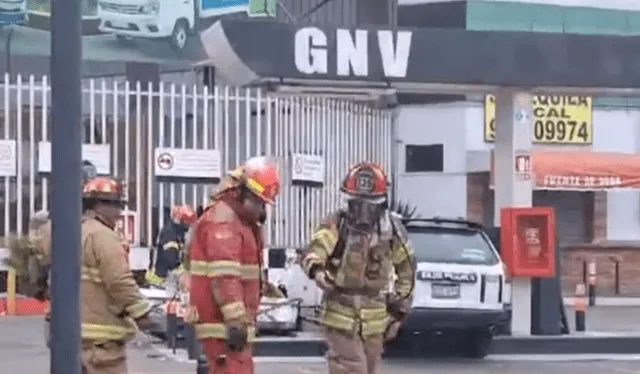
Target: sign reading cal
[{"x": 557, "y": 119}]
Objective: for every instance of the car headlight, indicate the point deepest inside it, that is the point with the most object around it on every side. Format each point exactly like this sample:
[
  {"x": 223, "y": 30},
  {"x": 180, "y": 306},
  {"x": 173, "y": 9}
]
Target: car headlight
[{"x": 150, "y": 8}]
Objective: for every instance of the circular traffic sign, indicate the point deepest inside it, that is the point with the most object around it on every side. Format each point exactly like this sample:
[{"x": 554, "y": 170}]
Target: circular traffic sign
[{"x": 165, "y": 161}]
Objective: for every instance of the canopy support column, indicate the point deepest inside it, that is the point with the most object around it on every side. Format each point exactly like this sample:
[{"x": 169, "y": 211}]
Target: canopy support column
[{"x": 514, "y": 123}]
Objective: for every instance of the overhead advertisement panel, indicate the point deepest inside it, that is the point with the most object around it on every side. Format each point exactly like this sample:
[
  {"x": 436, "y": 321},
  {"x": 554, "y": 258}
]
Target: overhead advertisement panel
[
  {"x": 558, "y": 119},
  {"x": 126, "y": 30}
]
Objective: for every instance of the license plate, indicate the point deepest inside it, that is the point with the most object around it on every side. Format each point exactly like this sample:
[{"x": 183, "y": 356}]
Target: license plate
[{"x": 445, "y": 291}]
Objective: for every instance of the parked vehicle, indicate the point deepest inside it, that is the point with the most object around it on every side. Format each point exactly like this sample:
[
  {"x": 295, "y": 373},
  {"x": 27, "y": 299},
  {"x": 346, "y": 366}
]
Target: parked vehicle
[{"x": 163, "y": 19}]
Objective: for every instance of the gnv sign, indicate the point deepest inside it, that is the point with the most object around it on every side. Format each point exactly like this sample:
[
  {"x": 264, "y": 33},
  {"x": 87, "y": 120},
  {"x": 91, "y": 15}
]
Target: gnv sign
[{"x": 352, "y": 52}]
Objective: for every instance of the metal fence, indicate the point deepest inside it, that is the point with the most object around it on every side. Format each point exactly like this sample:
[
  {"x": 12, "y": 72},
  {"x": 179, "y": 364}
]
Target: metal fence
[{"x": 125, "y": 124}]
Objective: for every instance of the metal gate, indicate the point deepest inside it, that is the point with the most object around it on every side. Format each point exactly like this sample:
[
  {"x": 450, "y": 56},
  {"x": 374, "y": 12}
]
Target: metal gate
[{"x": 125, "y": 125}]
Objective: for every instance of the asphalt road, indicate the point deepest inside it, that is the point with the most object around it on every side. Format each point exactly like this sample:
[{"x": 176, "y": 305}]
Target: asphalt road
[
  {"x": 28, "y": 41},
  {"x": 22, "y": 349}
]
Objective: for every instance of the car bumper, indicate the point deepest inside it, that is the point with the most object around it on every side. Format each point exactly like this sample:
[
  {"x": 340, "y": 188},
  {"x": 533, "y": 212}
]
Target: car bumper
[{"x": 430, "y": 319}]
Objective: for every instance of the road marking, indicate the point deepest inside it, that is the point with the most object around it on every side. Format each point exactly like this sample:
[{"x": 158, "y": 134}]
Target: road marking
[{"x": 566, "y": 357}]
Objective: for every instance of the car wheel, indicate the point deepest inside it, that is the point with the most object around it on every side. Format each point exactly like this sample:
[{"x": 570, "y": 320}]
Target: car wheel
[
  {"x": 180, "y": 35},
  {"x": 479, "y": 344}
]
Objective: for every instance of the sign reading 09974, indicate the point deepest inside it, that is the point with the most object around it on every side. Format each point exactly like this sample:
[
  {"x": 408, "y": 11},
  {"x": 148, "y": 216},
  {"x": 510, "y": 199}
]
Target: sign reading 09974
[{"x": 557, "y": 119}]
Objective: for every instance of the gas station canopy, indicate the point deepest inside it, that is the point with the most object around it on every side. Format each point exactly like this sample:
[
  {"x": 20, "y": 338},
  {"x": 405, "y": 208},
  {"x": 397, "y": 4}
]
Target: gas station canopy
[{"x": 422, "y": 60}]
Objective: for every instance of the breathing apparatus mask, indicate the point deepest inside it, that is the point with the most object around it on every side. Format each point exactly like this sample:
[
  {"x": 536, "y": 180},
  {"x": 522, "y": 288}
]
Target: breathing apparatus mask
[{"x": 364, "y": 212}]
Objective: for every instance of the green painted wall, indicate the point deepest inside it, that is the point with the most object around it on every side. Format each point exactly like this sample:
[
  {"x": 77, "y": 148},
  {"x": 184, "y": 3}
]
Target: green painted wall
[{"x": 514, "y": 16}]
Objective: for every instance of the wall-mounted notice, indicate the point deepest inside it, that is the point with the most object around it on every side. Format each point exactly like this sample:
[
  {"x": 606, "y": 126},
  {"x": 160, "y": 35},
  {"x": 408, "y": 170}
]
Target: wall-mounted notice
[
  {"x": 188, "y": 163},
  {"x": 8, "y": 166},
  {"x": 98, "y": 154},
  {"x": 307, "y": 168}
]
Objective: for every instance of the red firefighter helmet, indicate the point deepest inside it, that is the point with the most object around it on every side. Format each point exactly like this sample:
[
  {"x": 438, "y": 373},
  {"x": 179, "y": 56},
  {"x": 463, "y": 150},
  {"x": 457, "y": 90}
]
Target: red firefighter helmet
[
  {"x": 183, "y": 214},
  {"x": 365, "y": 179},
  {"x": 260, "y": 176},
  {"x": 103, "y": 189}
]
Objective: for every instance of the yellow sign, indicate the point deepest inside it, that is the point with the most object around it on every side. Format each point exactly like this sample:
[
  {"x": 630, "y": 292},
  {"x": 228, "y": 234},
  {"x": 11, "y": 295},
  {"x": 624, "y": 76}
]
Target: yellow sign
[{"x": 557, "y": 119}]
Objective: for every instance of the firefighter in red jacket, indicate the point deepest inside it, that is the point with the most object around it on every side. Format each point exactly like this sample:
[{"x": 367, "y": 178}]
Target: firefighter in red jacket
[{"x": 225, "y": 266}]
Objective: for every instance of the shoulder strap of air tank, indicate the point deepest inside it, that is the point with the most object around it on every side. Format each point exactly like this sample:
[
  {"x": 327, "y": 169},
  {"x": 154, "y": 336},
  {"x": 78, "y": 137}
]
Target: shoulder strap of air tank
[{"x": 333, "y": 262}]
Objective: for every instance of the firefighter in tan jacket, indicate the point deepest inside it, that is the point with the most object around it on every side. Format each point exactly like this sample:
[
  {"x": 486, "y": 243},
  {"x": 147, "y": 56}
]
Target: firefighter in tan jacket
[
  {"x": 112, "y": 305},
  {"x": 351, "y": 257}
]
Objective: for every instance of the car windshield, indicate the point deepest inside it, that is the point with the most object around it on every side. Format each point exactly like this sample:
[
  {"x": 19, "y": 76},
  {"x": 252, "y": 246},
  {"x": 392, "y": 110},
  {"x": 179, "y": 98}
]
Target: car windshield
[{"x": 452, "y": 245}]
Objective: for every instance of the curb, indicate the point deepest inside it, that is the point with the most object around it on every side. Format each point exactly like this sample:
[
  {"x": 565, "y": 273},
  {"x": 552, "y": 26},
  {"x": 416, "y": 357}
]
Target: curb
[
  {"x": 590, "y": 343},
  {"x": 535, "y": 345}
]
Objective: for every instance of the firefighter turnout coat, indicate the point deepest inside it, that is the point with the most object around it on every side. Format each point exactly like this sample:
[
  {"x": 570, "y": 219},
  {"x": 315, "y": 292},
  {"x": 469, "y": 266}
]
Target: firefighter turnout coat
[
  {"x": 168, "y": 255},
  {"x": 357, "y": 305},
  {"x": 225, "y": 265},
  {"x": 111, "y": 299}
]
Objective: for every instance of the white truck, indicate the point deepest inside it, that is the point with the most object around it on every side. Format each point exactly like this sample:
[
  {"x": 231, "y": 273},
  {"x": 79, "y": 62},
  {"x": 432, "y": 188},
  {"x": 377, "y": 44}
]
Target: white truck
[
  {"x": 173, "y": 20},
  {"x": 13, "y": 12}
]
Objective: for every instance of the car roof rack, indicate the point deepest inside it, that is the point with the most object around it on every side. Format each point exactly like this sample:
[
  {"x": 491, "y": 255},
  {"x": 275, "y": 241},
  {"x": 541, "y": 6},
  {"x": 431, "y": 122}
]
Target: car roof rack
[{"x": 442, "y": 220}]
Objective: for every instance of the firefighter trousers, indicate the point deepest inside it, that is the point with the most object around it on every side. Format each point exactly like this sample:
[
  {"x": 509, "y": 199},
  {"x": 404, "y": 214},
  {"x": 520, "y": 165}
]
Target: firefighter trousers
[
  {"x": 109, "y": 358},
  {"x": 223, "y": 361},
  {"x": 353, "y": 354}
]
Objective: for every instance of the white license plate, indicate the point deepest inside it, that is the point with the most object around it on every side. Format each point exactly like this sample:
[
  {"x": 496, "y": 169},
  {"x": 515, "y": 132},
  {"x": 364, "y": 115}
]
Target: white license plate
[{"x": 445, "y": 291}]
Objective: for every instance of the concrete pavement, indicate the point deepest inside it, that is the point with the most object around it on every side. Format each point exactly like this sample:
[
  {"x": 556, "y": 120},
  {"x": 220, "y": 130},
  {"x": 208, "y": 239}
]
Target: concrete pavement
[{"x": 22, "y": 349}]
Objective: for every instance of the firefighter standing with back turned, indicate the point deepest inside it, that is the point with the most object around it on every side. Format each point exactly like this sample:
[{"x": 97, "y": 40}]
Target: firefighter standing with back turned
[
  {"x": 351, "y": 257},
  {"x": 225, "y": 266},
  {"x": 169, "y": 249}
]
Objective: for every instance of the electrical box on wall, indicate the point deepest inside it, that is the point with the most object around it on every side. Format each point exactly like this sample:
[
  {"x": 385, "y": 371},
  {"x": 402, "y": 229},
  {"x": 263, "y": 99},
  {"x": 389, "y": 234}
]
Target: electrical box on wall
[{"x": 528, "y": 241}]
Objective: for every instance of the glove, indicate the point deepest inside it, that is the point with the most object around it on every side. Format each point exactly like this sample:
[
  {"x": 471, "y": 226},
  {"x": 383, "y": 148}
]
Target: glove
[
  {"x": 396, "y": 307},
  {"x": 392, "y": 330},
  {"x": 237, "y": 336},
  {"x": 323, "y": 280}
]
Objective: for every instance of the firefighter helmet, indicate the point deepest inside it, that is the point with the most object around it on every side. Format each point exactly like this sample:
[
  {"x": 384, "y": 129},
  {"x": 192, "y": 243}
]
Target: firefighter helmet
[
  {"x": 183, "y": 214},
  {"x": 365, "y": 180},
  {"x": 103, "y": 189},
  {"x": 260, "y": 176}
]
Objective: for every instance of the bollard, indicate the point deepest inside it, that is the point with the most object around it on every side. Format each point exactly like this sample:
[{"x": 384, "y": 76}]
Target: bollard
[
  {"x": 203, "y": 365},
  {"x": 581, "y": 308},
  {"x": 172, "y": 324},
  {"x": 592, "y": 283}
]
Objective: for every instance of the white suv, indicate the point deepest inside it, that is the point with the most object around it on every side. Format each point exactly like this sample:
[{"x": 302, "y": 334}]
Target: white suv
[{"x": 461, "y": 288}]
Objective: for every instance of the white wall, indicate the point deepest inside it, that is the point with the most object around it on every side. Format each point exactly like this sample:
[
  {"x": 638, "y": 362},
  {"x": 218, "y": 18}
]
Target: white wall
[
  {"x": 459, "y": 126},
  {"x": 444, "y": 193}
]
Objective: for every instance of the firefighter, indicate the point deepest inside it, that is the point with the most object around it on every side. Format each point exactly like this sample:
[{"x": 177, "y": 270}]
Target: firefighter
[
  {"x": 112, "y": 305},
  {"x": 225, "y": 266},
  {"x": 169, "y": 249},
  {"x": 351, "y": 257}
]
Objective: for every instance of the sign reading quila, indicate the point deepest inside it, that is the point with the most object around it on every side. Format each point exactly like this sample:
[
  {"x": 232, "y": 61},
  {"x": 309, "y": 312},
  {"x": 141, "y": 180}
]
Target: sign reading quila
[{"x": 557, "y": 119}]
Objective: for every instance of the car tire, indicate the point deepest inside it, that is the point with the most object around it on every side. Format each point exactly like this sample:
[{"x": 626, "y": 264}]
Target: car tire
[
  {"x": 180, "y": 35},
  {"x": 479, "y": 344}
]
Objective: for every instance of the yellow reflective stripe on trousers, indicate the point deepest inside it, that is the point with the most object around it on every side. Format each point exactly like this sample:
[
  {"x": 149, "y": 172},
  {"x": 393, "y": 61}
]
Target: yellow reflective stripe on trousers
[
  {"x": 233, "y": 310},
  {"x": 367, "y": 321},
  {"x": 218, "y": 331},
  {"x": 92, "y": 331},
  {"x": 224, "y": 268}
]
